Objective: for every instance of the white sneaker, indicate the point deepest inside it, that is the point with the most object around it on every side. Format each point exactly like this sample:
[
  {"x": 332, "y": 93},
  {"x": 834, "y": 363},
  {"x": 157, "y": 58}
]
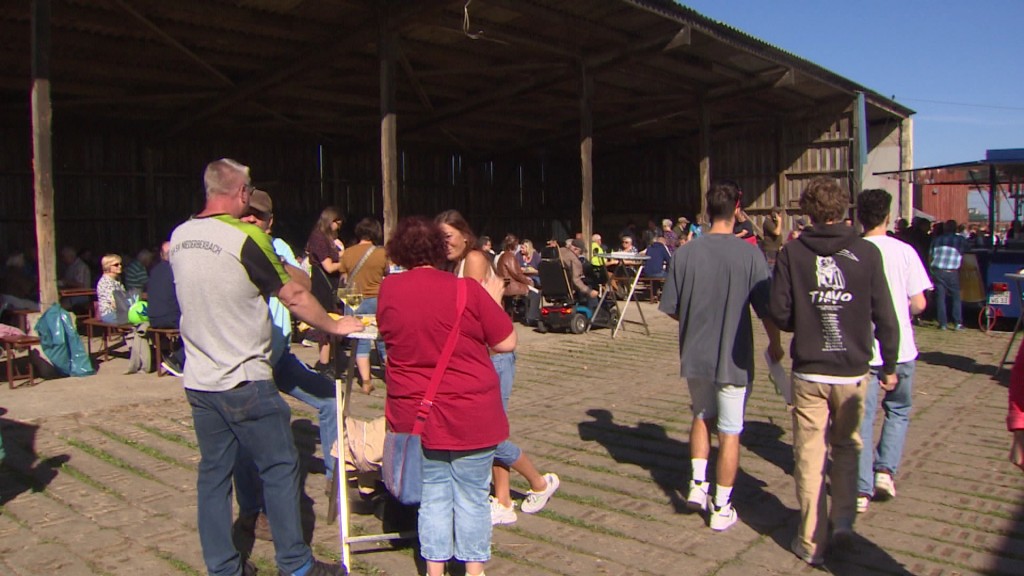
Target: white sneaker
[
  {"x": 862, "y": 503},
  {"x": 697, "y": 499},
  {"x": 502, "y": 514},
  {"x": 535, "y": 501},
  {"x": 308, "y": 343},
  {"x": 724, "y": 517},
  {"x": 885, "y": 489}
]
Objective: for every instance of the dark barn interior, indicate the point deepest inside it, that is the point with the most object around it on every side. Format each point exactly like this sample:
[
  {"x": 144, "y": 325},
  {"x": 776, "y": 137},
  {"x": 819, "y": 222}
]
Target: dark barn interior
[{"x": 492, "y": 99}]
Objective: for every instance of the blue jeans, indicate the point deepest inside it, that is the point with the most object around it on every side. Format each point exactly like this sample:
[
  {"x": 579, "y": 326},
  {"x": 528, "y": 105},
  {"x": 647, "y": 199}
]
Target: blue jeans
[
  {"x": 253, "y": 417},
  {"x": 897, "y": 405},
  {"x": 455, "y": 516},
  {"x": 369, "y": 306},
  {"x": 947, "y": 282},
  {"x": 297, "y": 380},
  {"x": 506, "y": 453}
]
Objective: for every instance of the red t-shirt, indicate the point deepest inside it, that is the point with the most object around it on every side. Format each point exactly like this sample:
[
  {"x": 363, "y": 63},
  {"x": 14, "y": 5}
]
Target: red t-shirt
[{"x": 415, "y": 313}]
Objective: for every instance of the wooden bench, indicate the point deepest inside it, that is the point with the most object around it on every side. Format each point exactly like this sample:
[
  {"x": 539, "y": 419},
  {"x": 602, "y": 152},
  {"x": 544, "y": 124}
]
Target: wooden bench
[
  {"x": 21, "y": 318},
  {"x": 157, "y": 337},
  {"x": 13, "y": 345},
  {"x": 107, "y": 330}
]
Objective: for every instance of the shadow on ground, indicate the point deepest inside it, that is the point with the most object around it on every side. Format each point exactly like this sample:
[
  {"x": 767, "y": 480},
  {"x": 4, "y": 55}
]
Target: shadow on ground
[
  {"x": 648, "y": 446},
  {"x": 22, "y": 469},
  {"x": 956, "y": 362}
]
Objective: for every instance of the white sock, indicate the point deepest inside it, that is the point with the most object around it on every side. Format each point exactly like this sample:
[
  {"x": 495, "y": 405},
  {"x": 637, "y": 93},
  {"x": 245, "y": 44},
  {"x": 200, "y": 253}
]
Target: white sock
[
  {"x": 700, "y": 469},
  {"x": 722, "y": 495}
]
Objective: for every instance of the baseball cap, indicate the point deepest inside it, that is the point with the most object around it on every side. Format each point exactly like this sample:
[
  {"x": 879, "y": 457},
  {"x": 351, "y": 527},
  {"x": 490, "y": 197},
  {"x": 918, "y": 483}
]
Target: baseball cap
[
  {"x": 260, "y": 201},
  {"x": 579, "y": 244}
]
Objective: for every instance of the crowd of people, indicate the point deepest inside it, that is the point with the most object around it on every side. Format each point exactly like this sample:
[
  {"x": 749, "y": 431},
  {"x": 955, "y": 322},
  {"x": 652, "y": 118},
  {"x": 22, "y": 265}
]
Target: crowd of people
[{"x": 439, "y": 295}]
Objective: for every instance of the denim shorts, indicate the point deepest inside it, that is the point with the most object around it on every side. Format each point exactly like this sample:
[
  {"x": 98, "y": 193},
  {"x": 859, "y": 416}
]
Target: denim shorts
[
  {"x": 455, "y": 516},
  {"x": 727, "y": 402},
  {"x": 368, "y": 306},
  {"x": 505, "y": 365}
]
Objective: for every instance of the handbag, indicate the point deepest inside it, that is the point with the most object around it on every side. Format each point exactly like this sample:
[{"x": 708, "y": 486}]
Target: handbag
[{"x": 403, "y": 451}]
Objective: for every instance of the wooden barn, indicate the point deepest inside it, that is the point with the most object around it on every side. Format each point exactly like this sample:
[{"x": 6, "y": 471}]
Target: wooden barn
[{"x": 541, "y": 117}]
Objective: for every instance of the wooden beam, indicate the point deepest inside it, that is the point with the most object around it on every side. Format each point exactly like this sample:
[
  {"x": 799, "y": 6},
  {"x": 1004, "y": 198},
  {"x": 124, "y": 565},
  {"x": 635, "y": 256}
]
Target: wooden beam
[
  {"x": 586, "y": 156},
  {"x": 388, "y": 127},
  {"x": 171, "y": 41},
  {"x": 506, "y": 92},
  {"x": 682, "y": 38},
  {"x": 322, "y": 55},
  {"x": 704, "y": 147},
  {"x": 42, "y": 155}
]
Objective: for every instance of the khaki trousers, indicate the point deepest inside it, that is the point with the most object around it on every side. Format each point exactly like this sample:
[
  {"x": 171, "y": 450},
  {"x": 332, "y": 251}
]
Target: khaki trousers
[{"x": 826, "y": 415}]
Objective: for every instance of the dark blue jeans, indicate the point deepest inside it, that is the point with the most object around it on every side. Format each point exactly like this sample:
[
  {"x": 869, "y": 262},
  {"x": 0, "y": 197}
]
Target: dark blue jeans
[
  {"x": 947, "y": 283},
  {"x": 298, "y": 381},
  {"x": 253, "y": 417}
]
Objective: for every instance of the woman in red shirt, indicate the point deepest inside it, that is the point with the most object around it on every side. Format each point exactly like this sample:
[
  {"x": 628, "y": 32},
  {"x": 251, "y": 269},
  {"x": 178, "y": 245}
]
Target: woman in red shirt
[
  {"x": 467, "y": 262},
  {"x": 416, "y": 311}
]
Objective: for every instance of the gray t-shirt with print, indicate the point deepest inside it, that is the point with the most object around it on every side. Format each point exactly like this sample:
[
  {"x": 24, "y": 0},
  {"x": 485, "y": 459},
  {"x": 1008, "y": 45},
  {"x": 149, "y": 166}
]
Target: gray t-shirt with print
[
  {"x": 224, "y": 271},
  {"x": 712, "y": 282}
]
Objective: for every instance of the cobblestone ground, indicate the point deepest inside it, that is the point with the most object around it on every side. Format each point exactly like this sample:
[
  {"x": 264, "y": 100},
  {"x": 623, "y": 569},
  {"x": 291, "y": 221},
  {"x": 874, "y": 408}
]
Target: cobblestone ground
[{"x": 112, "y": 490}]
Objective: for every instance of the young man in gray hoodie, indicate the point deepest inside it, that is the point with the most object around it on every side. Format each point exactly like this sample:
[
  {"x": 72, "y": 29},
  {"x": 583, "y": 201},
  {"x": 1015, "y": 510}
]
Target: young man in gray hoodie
[{"x": 829, "y": 289}]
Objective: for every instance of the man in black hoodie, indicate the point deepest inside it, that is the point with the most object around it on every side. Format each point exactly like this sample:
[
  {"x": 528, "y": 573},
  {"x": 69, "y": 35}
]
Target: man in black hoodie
[{"x": 829, "y": 289}]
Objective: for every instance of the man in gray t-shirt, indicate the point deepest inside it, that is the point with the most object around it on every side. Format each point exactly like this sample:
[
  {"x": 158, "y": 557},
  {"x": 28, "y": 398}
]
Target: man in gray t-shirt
[
  {"x": 710, "y": 287},
  {"x": 224, "y": 270}
]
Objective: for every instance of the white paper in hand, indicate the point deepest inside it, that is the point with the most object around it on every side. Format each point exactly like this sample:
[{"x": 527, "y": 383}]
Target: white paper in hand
[{"x": 777, "y": 375}]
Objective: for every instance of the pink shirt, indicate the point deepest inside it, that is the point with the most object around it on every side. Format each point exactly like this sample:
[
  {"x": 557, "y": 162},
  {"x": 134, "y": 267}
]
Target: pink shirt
[{"x": 415, "y": 313}]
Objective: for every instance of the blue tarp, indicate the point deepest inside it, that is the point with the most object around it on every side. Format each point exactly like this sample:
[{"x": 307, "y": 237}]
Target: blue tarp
[{"x": 61, "y": 343}]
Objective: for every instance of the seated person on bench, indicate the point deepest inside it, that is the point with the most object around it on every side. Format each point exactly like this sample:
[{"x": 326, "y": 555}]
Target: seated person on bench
[
  {"x": 518, "y": 283},
  {"x": 162, "y": 307},
  {"x": 659, "y": 257}
]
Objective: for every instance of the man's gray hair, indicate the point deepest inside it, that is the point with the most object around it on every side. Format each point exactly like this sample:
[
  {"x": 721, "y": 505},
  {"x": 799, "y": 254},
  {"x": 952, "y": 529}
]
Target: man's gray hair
[{"x": 221, "y": 176}]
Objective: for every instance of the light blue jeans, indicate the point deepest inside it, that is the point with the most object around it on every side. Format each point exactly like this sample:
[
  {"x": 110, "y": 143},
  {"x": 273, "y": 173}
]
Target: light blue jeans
[
  {"x": 723, "y": 401},
  {"x": 369, "y": 306},
  {"x": 455, "y": 516},
  {"x": 505, "y": 365},
  {"x": 897, "y": 405}
]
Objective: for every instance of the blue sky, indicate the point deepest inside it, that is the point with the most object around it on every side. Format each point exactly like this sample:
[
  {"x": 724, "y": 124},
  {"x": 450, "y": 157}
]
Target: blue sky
[{"x": 958, "y": 64}]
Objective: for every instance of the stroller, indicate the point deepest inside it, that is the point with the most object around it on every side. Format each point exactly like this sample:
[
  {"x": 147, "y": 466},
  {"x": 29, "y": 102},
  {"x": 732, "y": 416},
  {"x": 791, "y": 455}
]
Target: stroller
[{"x": 562, "y": 308}]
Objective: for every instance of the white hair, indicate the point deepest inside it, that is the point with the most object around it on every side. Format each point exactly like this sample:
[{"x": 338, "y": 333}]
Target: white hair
[{"x": 222, "y": 176}]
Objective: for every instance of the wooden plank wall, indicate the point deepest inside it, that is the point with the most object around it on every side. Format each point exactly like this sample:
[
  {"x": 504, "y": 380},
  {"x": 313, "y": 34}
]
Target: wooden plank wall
[{"x": 119, "y": 192}]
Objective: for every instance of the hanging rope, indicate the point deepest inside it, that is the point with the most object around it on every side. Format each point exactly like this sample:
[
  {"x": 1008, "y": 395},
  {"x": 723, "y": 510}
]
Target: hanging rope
[{"x": 465, "y": 23}]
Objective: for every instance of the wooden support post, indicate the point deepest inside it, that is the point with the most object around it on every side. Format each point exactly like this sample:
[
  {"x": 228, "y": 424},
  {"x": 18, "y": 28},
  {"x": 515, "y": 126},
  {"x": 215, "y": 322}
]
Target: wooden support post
[
  {"x": 907, "y": 163},
  {"x": 42, "y": 164},
  {"x": 781, "y": 167},
  {"x": 388, "y": 128},
  {"x": 705, "y": 159},
  {"x": 586, "y": 156}
]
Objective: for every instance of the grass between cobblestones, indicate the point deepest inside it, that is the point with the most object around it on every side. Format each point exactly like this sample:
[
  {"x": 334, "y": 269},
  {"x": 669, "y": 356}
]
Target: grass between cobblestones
[
  {"x": 90, "y": 481},
  {"x": 147, "y": 450},
  {"x": 170, "y": 437},
  {"x": 108, "y": 458},
  {"x": 178, "y": 564},
  {"x": 498, "y": 552},
  {"x": 577, "y": 523}
]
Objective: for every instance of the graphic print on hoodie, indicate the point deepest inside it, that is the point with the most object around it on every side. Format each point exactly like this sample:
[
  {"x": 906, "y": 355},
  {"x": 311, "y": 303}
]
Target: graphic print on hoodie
[{"x": 829, "y": 289}]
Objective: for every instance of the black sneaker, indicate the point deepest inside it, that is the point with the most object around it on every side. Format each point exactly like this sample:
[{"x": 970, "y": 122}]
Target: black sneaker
[
  {"x": 171, "y": 366},
  {"x": 321, "y": 569},
  {"x": 325, "y": 369}
]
